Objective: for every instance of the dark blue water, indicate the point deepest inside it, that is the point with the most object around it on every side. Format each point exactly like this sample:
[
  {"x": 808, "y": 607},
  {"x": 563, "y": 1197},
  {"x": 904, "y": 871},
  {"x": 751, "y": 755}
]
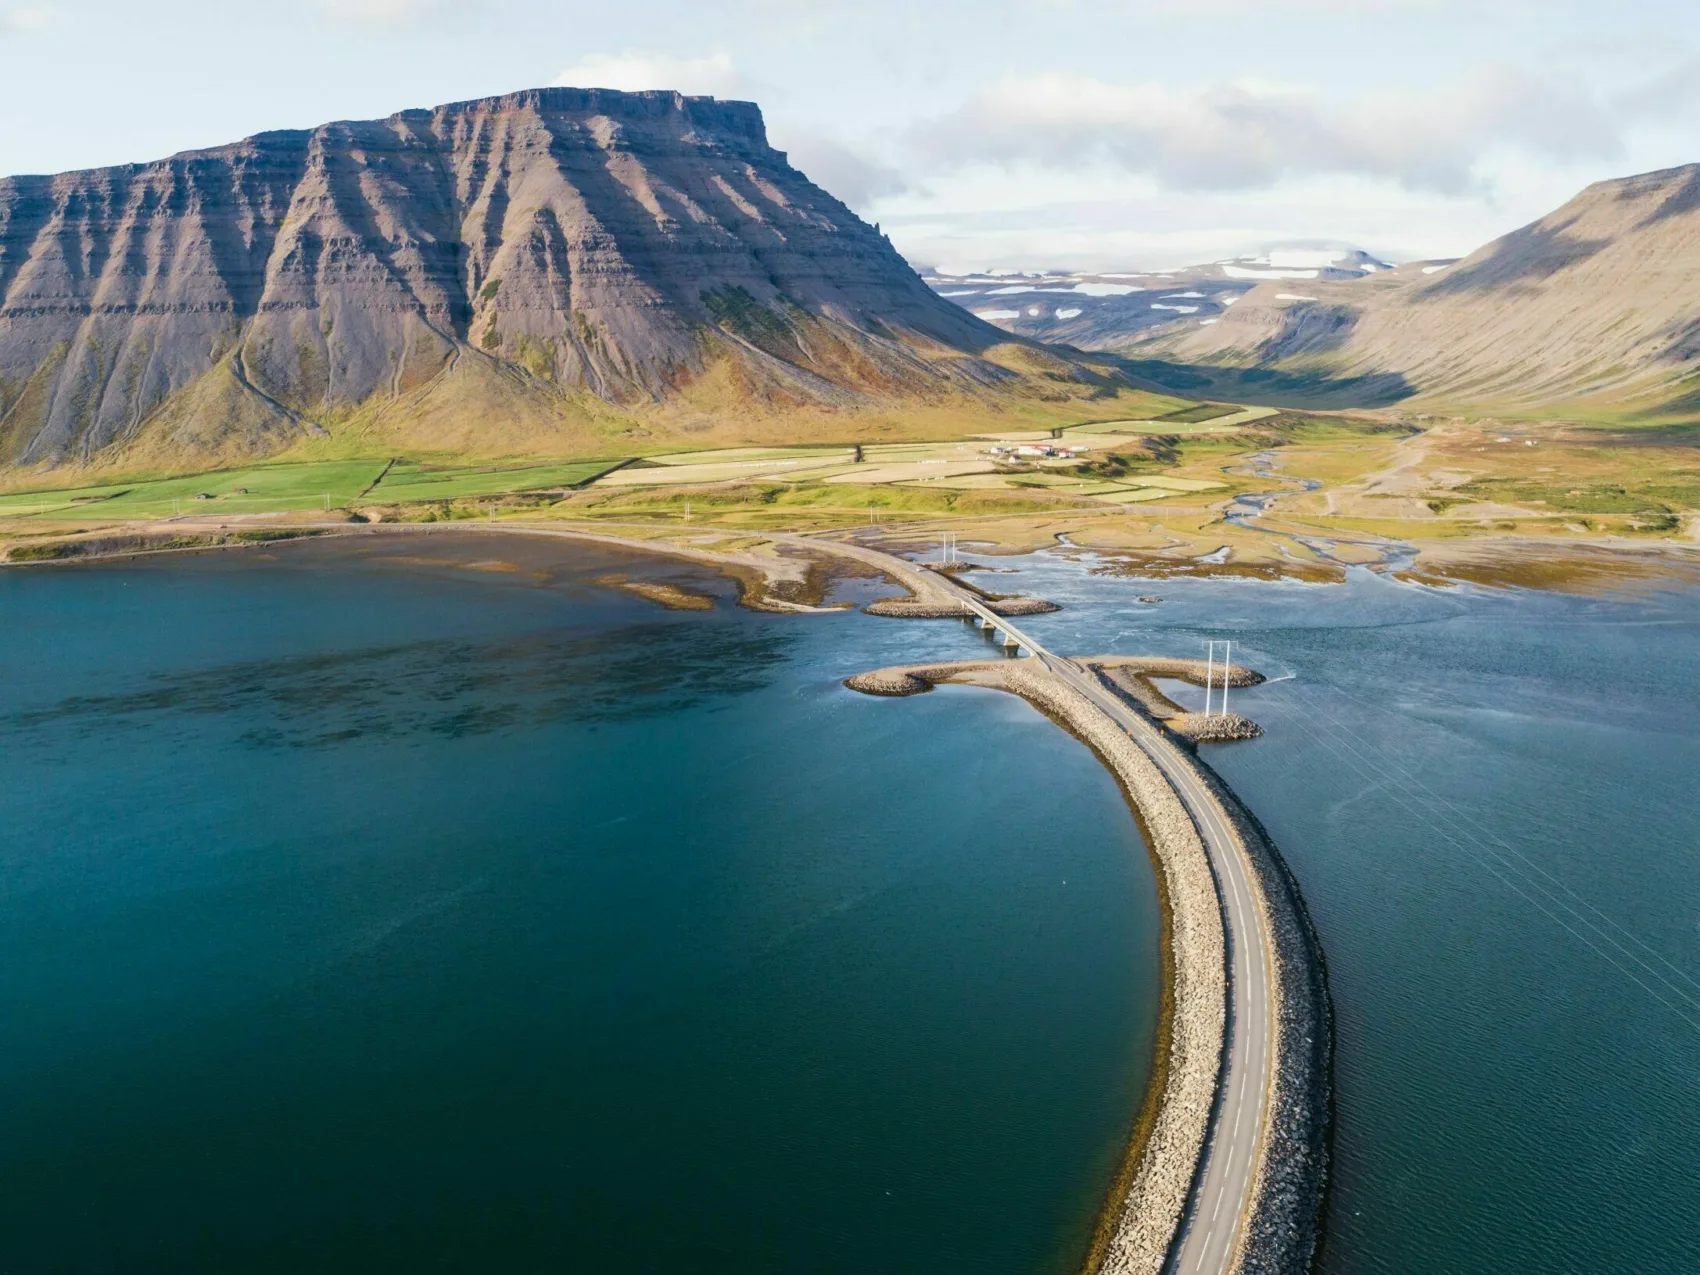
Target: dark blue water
[
  {"x": 364, "y": 912},
  {"x": 1490, "y": 800}
]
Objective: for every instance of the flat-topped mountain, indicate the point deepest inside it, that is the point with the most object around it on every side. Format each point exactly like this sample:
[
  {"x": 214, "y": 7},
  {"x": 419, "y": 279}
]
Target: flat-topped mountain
[
  {"x": 1595, "y": 306},
  {"x": 534, "y": 271}
]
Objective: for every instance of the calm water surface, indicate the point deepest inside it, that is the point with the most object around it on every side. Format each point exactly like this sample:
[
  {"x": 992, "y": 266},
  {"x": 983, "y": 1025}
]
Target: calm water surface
[
  {"x": 400, "y": 915},
  {"x": 1490, "y": 801},
  {"x": 426, "y": 908}
]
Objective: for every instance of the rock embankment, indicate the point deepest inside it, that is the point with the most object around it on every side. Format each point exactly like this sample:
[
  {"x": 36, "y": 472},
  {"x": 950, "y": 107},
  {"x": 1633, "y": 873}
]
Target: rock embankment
[
  {"x": 1285, "y": 1223},
  {"x": 1282, "y": 1228},
  {"x": 1152, "y": 1193},
  {"x": 1193, "y": 672},
  {"x": 951, "y": 609},
  {"x": 1142, "y": 1223},
  {"x": 1013, "y": 607},
  {"x": 911, "y": 679},
  {"x": 1131, "y": 677},
  {"x": 918, "y": 609},
  {"x": 1214, "y": 728}
]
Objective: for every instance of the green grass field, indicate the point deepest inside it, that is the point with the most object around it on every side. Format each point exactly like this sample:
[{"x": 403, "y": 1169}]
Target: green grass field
[
  {"x": 329, "y": 484},
  {"x": 409, "y": 481},
  {"x": 1198, "y": 413},
  {"x": 257, "y": 490}
]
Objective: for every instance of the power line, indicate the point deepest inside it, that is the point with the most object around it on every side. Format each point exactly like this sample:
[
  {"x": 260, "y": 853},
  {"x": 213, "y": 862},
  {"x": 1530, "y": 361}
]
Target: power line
[
  {"x": 1501, "y": 867},
  {"x": 1424, "y": 792}
]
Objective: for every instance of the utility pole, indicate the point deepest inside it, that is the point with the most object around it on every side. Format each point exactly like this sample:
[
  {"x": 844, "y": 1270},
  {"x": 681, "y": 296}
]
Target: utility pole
[
  {"x": 1209, "y": 671},
  {"x": 1227, "y": 673}
]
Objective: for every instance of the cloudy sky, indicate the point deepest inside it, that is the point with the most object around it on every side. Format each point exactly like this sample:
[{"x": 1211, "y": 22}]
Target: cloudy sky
[{"x": 980, "y": 133}]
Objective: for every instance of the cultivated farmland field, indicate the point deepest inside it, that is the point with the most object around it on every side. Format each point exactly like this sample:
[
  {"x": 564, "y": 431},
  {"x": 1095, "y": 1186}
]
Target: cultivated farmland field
[
  {"x": 408, "y": 481},
  {"x": 260, "y": 489}
]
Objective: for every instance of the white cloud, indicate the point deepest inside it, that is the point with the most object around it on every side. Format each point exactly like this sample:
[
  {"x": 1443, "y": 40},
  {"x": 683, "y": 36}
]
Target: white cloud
[
  {"x": 382, "y": 12},
  {"x": 24, "y": 21},
  {"x": 846, "y": 173},
  {"x": 713, "y": 75},
  {"x": 1251, "y": 134},
  {"x": 1028, "y": 218}
]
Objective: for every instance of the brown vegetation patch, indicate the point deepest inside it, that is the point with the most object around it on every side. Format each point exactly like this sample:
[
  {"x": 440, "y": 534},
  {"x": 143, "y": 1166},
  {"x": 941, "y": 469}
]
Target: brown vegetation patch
[
  {"x": 667, "y": 595},
  {"x": 1566, "y": 568}
]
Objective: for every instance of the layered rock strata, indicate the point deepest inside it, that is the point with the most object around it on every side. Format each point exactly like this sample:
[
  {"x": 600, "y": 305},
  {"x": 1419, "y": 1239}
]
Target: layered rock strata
[{"x": 503, "y": 255}]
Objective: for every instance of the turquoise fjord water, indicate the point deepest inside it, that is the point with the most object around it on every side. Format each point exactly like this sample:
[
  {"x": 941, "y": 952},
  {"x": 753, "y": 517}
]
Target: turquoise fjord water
[
  {"x": 424, "y": 907},
  {"x": 381, "y": 914}
]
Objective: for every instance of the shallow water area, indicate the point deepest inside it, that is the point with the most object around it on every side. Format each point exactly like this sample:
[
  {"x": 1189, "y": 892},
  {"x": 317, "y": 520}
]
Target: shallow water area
[
  {"x": 417, "y": 904},
  {"x": 1487, "y": 796}
]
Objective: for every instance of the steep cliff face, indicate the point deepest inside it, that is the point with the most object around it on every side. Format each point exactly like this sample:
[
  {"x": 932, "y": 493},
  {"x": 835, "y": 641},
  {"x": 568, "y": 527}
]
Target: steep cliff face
[
  {"x": 561, "y": 242},
  {"x": 1596, "y": 305}
]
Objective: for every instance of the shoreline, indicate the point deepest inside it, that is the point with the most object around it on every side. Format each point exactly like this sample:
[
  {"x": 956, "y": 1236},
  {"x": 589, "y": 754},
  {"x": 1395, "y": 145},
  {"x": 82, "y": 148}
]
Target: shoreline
[
  {"x": 782, "y": 583},
  {"x": 1589, "y": 565},
  {"x": 761, "y": 580}
]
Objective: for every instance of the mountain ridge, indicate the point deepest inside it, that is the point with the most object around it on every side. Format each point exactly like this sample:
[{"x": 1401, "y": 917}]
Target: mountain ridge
[
  {"x": 1594, "y": 308},
  {"x": 591, "y": 261}
]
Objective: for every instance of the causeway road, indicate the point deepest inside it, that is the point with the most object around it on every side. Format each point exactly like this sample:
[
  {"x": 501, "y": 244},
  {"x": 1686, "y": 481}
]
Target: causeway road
[{"x": 1225, "y": 1186}]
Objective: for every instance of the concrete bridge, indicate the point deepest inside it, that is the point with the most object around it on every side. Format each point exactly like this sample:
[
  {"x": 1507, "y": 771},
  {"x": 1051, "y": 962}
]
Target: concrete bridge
[{"x": 1225, "y": 1187}]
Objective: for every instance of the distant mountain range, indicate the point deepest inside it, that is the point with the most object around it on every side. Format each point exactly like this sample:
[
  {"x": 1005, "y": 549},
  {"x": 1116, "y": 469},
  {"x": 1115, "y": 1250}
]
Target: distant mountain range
[
  {"x": 1107, "y": 311},
  {"x": 556, "y": 270},
  {"x": 1594, "y": 308}
]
